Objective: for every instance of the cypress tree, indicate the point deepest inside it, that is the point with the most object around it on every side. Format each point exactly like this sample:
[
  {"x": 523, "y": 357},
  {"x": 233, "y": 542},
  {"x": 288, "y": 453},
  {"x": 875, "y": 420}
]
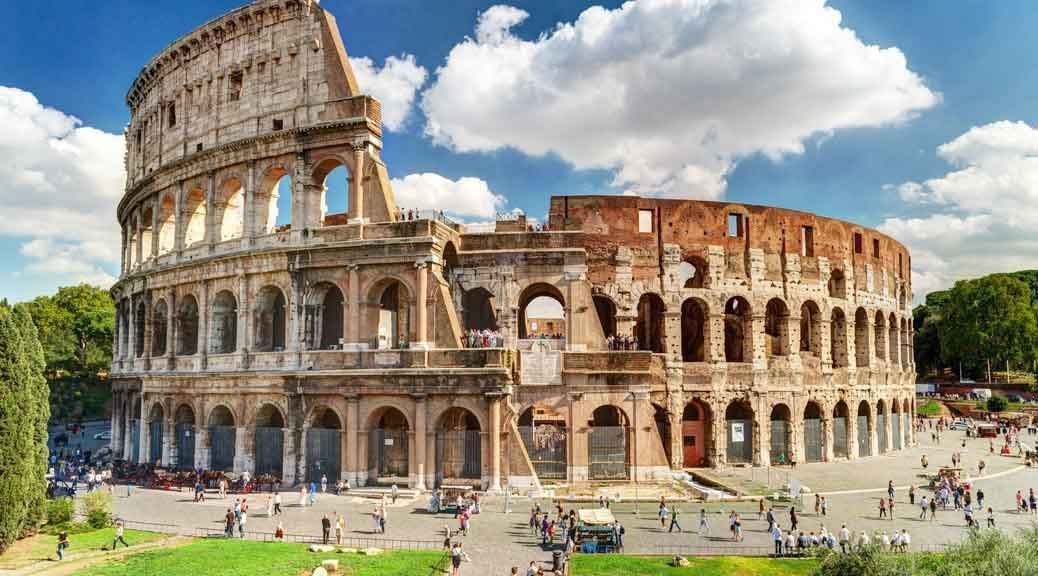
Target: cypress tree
[{"x": 24, "y": 412}]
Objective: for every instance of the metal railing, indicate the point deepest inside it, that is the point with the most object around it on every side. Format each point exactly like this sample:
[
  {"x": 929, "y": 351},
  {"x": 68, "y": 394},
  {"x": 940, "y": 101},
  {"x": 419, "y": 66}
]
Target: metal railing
[
  {"x": 713, "y": 550},
  {"x": 299, "y": 538}
]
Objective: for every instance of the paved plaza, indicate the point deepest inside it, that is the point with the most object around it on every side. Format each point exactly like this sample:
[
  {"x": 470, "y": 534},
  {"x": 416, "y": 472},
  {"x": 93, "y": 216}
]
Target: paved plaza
[{"x": 498, "y": 540}]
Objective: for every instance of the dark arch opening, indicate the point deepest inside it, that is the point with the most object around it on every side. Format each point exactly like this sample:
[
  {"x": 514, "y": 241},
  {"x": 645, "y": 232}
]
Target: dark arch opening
[
  {"x": 739, "y": 432},
  {"x": 606, "y": 310},
  {"x": 810, "y": 329},
  {"x": 187, "y": 326},
  {"x": 270, "y": 320},
  {"x": 269, "y": 443},
  {"x": 224, "y": 331},
  {"x": 608, "y": 444},
  {"x": 649, "y": 326},
  {"x": 389, "y": 447},
  {"x": 841, "y": 448},
  {"x": 480, "y": 310},
  {"x": 737, "y": 328},
  {"x": 459, "y": 445},
  {"x": 693, "y": 330},
  {"x": 394, "y": 316},
  {"x": 158, "y": 328},
  {"x": 781, "y": 448},
  {"x": 814, "y": 449},
  {"x": 544, "y": 435},
  {"x": 864, "y": 425},
  {"x": 695, "y": 434},
  {"x": 776, "y": 327}
]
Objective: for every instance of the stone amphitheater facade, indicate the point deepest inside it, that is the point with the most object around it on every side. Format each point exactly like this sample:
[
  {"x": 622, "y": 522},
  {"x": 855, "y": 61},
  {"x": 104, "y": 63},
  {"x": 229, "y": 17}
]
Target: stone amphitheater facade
[{"x": 336, "y": 344}]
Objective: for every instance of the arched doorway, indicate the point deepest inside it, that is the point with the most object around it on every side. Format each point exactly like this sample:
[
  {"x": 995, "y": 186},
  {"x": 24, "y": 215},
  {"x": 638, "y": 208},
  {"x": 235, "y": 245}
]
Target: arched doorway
[
  {"x": 479, "y": 309},
  {"x": 230, "y": 209},
  {"x": 271, "y": 327},
  {"x": 881, "y": 426},
  {"x": 269, "y": 441},
  {"x": 324, "y": 317},
  {"x": 608, "y": 450},
  {"x": 388, "y": 447},
  {"x": 861, "y": 338},
  {"x": 695, "y": 438},
  {"x": 394, "y": 318},
  {"x": 167, "y": 225},
  {"x": 693, "y": 330},
  {"x": 838, "y": 339},
  {"x": 692, "y": 273},
  {"x": 648, "y": 329},
  {"x": 813, "y": 446},
  {"x": 776, "y": 327},
  {"x": 156, "y": 424},
  {"x": 810, "y": 329},
  {"x": 544, "y": 435},
  {"x": 221, "y": 439},
  {"x": 184, "y": 428},
  {"x": 880, "y": 335},
  {"x": 158, "y": 329},
  {"x": 135, "y": 432},
  {"x": 606, "y": 310},
  {"x": 841, "y": 449},
  {"x": 324, "y": 446},
  {"x": 895, "y": 425},
  {"x": 781, "y": 451},
  {"x": 187, "y": 326},
  {"x": 738, "y": 419},
  {"x": 542, "y": 312},
  {"x": 892, "y": 342},
  {"x": 195, "y": 210},
  {"x": 662, "y": 419},
  {"x": 458, "y": 446},
  {"x": 139, "y": 322},
  {"x": 738, "y": 325},
  {"x": 224, "y": 330},
  {"x": 274, "y": 202},
  {"x": 864, "y": 429}
]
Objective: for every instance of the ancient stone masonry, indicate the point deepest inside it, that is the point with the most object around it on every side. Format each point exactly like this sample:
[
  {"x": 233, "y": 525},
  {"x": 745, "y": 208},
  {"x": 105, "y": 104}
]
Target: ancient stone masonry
[{"x": 628, "y": 338}]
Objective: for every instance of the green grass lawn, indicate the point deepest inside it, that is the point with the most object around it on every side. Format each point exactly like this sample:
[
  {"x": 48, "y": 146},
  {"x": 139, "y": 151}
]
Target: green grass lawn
[
  {"x": 617, "y": 565},
  {"x": 930, "y": 408},
  {"x": 41, "y": 546},
  {"x": 218, "y": 557}
]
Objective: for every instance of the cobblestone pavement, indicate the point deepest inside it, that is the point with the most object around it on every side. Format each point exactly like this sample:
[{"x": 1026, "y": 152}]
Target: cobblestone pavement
[{"x": 498, "y": 540}]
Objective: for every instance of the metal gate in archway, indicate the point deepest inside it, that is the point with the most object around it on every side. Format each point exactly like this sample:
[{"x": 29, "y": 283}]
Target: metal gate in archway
[
  {"x": 608, "y": 457},
  {"x": 780, "y": 448},
  {"x": 881, "y": 432},
  {"x": 135, "y": 440},
  {"x": 221, "y": 447},
  {"x": 458, "y": 454},
  {"x": 323, "y": 454},
  {"x": 864, "y": 447},
  {"x": 739, "y": 441},
  {"x": 546, "y": 446},
  {"x": 895, "y": 431},
  {"x": 840, "y": 437},
  {"x": 185, "y": 439},
  {"x": 813, "y": 439},
  {"x": 155, "y": 442},
  {"x": 387, "y": 455},
  {"x": 270, "y": 444}
]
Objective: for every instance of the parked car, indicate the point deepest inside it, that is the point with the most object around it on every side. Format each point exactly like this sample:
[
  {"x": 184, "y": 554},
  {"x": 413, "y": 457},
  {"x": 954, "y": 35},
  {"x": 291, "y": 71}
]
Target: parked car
[
  {"x": 1014, "y": 398},
  {"x": 106, "y": 435},
  {"x": 960, "y": 425}
]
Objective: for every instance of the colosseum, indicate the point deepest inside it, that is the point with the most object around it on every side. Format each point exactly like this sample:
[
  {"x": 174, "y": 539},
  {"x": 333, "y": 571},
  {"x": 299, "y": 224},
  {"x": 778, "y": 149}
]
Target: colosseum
[{"x": 624, "y": 339}]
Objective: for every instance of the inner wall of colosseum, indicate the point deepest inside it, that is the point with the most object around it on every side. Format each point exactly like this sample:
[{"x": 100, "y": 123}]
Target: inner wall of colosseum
[{"x": 683, "y": 334}]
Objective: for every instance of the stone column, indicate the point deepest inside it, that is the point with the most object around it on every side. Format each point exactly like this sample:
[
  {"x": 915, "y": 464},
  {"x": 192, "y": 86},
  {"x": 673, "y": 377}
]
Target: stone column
[
  {"x": 355, "y": 340},
  {"x": 352, "y": 436},
  {"x": 495, "y": 443},
  {"x": 242, "y": 322},
  {"x": 210, "y": 211},
  {"x": 715, "y": 326},
  {"x": 873, "y": 430},
  {"x": 826, "y": 345},
  {"x": 288, "y": 468},
  {"x": 154, "y": 248},
  {"x": 422, "y": 306},
  {"x": 169, "y": 434},
  {"x": 139, "y": 248},
  {"x": 203, "y": 324},
  {"x": 757, "y": 352},
  {"x": 142, "y": 431},
  {"x": 179, "y": 226},
  {"x": 356, "y": 200},
  {"x": 171, "y": 329},
  {"x": 249, "y": 206},
  {"x": 852, "y": 431},
  {"x": 300, "y": 442},
  {"x": 201, "y": 432},
  {"x": 243, "y": 457},
  {"x": 117, "y": 433},
  {"x": 131, "y": 341},
  {"x": 828, "y": 437},
  {"x": 294, "y": 318},
  {"x": 421, "y": 440}
]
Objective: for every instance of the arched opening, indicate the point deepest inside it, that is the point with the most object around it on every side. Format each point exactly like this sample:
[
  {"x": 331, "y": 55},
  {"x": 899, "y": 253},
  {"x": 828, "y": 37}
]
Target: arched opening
[
  {"x": 388, "y": 450},
  {"x": 895, "y": 425},
  {"x": 132, "y": 245},
  {"x": 906, "y": 415},
  {"x": 693, "y": 330},
  {"x": 158, "y": 328},
  {"x": 187, "y": 326},
  {"x": 394, "y": 317},
  {"x": 324, "y": 446},
  {"x": 738, "y": 419},
  {"x": 156, "y": 424},
  {"x": 864, "y": 429},
  {"x": 450, "y": 263},
  {"x": 123, "y": 320},
  {"x": 648, "y": 328},
  {"x": 880, "y": 334},
  {"x": 892, "y": 341},
  {"x": 692, "y": 273},
  {"x": 608, "y": 444},
  {"x": 147, "y": 234},
  {"x": 224, "y": 330},
  {"x": 140, "y": 320},
  {"x": 270, "y": 320},
  {"x": 274, "y": 202},
  {"x": 738, "y": 325},
  {"x": 324, "y": 315},
  {"x": 841, "y": 449},
  {"x": 810, "y": 329},
  {"x": 184, "y": 428},
  {"x": 837, "y": 284},
  {"x": 838, "y": 339},
  {"x": 479, "y": 309},
  {"x": 167, "y": 233},
  {"x": 906, "y": 345},
  {"x": 813, "y": 446},
  {"x": 269, "y": 439},
  {"x": 195, "y": 213},
  {"x": 544, "y": 435},
  {"x": 776, "y": 327},
  {"x": 881, "y": 426},
  {"x": 861, "y": 338},
  {"x": 781, "y": 449},
  {"x": 230, "y": 209},
  {"x": 542, "y": 312},
  {"x": 662, "y": 419},
  {"x": 695, "y": 434},
  {"x": 221, "y": 439},
  {"x": 334, "y": 180},
  {"x": 135, "y": 432},
  {"x": 606, "y": 310},
  {"x": 458, "y": 447}
]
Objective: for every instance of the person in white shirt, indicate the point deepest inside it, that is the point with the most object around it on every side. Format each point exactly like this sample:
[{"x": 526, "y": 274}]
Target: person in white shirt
[
  {"x": 776, "y": 535},
  {"x": 884, "y": 539},
  {"x": 845, "y": 538},
  {"x": 906, "y": 540},
  {"x": 863, "y": 539}
]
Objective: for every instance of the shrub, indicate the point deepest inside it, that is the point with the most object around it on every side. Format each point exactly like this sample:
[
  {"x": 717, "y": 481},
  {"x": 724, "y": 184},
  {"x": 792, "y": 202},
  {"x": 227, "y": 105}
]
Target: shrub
[
  {"x": 97, "y": 507},
  {"x": 997, "y": 404},
  {"x": 60, "y": 511}
]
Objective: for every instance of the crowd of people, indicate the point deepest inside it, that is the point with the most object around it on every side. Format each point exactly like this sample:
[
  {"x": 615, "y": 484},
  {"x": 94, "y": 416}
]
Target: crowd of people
[{"x": 483, "y": 339}]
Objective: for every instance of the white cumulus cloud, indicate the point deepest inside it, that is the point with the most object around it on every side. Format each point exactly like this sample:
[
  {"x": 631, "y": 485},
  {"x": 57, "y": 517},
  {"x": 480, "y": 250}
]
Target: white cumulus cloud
[
  {"x": 394, "y": 86},
  {"x": 60, "y": 182},
  {"x": 466, "y": 197},
  {"x": 981, "y": 216},
  {"x": 668, "y": 94}
]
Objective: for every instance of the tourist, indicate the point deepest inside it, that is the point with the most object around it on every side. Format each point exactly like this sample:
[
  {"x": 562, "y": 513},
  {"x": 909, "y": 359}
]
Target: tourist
[
  {"x": 326, "y": 528},
  {"x": 776, "y": 536},
  {"x": 760, "y": 509},
  {"x": 302, "y": 496},
  {"x": 383, "y": 516},
  {"x": 222, "y": 485},
  {"x": 863, "y": 539},
  {"x": 618, "y": 535},
  {"x": 911, "y": 494},
  {"x": 324, "y": 483},
  {"x": 340, "y": 527},
  {"x": 771, "y": 518},
  {"x": 882, "y": 507},
  {"x": 825, "y": 506},
  {"x": 890, "y": 490},
  {"x": 119, "y": 535},
  {"x": 64, "y": 543},
  {"x": 980, "y": 498},
  {"x": 270, "y": 507},
  {"x": 229, "y": 520},
  {"x": 663, "y": 514},
  {"x": 534, "y": 524},
  {"x": 277, "y": 503},
  {"x": 704, "y": 526},
  {"x": 905, "y": 540},
  {"x": 793, "y": 518},
  {"x": 845, "y": 538},
  {"x": 884, "y": 540},
  {"x": 818, "y": 504},
  {"x": 1020, "y": 502},
  {"x": 674, "y": 521},
  {"x": 242, "y": 518},
  {"x": 924, "y": 461},
  {"x": 279, "y": 533},
  {"x": 890, "y": 508},
  {"x": 991, "y": 517},
  {"x": 933, "y": 509},
  {"x": 923, "y": 505},
  {"x": 457, "y": 556},
  {"x": 199, "y": 491},
  {"x": 312, "y": 494},
  {"x": 738, "y": 528},
  {"x": 396, "y": 492}
]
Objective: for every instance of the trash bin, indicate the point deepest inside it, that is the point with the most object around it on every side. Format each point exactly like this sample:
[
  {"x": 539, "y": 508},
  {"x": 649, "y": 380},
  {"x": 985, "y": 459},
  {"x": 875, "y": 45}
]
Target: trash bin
[{"x": 556, "y": 560}]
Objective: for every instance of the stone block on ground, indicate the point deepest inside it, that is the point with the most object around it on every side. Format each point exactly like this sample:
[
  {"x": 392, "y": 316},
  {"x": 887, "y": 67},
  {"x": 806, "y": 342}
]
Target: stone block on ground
[
  {"x": 322, "y": 548},
  {"x": 330, "y": 565},
  {"x": 371, "y": 551},
  {"x": 319, "y": 571}
]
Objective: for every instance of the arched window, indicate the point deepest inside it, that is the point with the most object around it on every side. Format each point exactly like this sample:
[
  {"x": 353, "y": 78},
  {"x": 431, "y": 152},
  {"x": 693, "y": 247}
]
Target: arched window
[
  {"x": 740, "y": 433},
  {"x": 810, "y": 329},
  {"x": 324, "y": 446},
  {"x": 147, "y": 235},
  {"x": 864, "y": 429},
  {"x": 738, "y": 324},
  {"x": 333, "y": 178},
  {"x": 139, "y": 322},
  {"x": 544, "y": 435},
  {"x": 608, "y": 444},
  {"x": 224, "y": 330},
  {"x": 837, "y": 284},
  {"x": 542, "y": 312},
  {"x": 230, "y": 209},
  {"x": 269, "y": 441},
  {"x": 274, "y": 201},
  {"x": 394, "y": 316},
  {"x": 458, "y": 446},
  {"x": 692, "y": 273},
  {"x": 649, "y": 327},
  {"x": 156, "y": 425},
  {"x": 324, "y": 317},
  {"x": 693, "y": 330},
  {"x": 480, "y": 311},
  {"x": 841, "y": 449},
  {"x": 270, "y": 320},
  {"x": 187, "y": 326},
  {"x": 222, "y": 434},
  {"x": 158, "y": 328},
  {"x": 838, "y": 339},
  {"x": 184, "y": 428},
  {"x": 605, "y": 308},
  {"x": 167, "y": 234},
  {"x": 892, "y": 341},
  {"x": 195, "y": 210},
  {"x": 861, "y": 338},
  {"x": 813, "y": 447},
  {"x": 880, "y": 331},
  {"x": 776, "y": 327}
]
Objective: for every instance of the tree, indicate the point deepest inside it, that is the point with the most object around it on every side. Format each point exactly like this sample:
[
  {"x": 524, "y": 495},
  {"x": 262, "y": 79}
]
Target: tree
[
  {"x": 24, "y": 412},
  {"x": 76, "y": 327},
  {"x": 997, "y": 404}
]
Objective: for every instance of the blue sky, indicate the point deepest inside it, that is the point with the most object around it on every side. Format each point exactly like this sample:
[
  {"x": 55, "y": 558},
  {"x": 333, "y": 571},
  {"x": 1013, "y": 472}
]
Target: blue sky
[{"x": 965, "y": 208}]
